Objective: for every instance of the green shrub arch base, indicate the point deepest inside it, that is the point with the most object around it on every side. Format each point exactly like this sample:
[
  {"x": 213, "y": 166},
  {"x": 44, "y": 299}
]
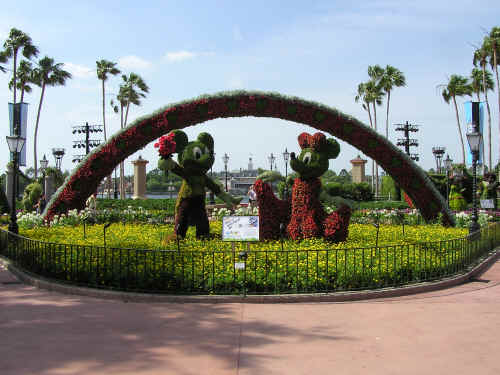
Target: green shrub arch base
[{"x": 86, "y": 177}]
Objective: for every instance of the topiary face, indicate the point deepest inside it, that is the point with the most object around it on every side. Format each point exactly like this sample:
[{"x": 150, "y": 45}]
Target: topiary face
[
  {"x": 313, "y": 159},
  {"x": 195, "y": 157}
]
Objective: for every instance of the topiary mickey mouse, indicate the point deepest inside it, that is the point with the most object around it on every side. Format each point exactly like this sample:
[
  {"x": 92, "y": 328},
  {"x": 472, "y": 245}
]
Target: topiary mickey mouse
[
  {"x": 307, "y": 217},
  {"x": 194, "y": 160}
]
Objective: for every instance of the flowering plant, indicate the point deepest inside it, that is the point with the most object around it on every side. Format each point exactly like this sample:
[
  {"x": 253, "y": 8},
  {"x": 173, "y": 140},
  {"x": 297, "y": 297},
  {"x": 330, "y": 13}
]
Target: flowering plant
[{"x": 166, "y": 145}]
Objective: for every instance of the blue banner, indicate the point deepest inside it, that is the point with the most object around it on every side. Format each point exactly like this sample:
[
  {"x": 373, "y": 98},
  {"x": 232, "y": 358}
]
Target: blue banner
[
  {"x": 470, "y": 127},
  {"x": 18, "y": 113}
]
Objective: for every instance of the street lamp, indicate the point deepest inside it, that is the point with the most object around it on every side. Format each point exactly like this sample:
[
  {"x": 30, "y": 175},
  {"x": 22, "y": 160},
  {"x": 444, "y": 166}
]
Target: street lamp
[
  {"x": 474, "y": 139},
  {"x": 43, "y": 166},
  {"x": 225, "y": 159},
  {"x": 212, "y": 198},
  {"x": 271, "y": 159},
  {"x": 447, "y": 164},
  {"x": 438, "y": 154},
  {"x": 286, "y": 156},
  {"x": 15, "y": 144},
  {"x": 170, "y": 188}
]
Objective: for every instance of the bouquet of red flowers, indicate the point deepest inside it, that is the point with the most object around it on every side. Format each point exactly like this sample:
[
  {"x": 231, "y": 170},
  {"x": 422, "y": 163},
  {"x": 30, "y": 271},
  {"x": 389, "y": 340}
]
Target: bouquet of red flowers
[{"x": 166, "y": 145}]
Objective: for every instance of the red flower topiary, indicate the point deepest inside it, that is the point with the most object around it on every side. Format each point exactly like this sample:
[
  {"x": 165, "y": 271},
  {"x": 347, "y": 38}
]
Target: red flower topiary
[{"x": 166, "y": 145}]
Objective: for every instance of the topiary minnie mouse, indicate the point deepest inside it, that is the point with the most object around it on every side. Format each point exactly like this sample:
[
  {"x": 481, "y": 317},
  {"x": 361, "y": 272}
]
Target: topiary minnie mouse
[
  {"x": 307, "y": 217},
  {"x": 194, "y": 160}
]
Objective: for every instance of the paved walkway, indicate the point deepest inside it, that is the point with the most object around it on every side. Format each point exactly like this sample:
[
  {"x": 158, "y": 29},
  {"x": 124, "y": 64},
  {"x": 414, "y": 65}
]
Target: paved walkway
[{"x": 453, "y": 331}]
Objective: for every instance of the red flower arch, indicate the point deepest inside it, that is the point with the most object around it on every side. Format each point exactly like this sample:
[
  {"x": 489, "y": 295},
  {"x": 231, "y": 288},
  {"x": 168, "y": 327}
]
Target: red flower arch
[{"x": 97, "y": 165}]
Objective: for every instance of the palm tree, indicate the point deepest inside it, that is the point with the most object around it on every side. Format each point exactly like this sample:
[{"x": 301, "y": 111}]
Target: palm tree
[
  {"x": 480, "y": 57},
  {"x": 25, "y": 77},
  {"x": 132, "y": 89},
  {"x": 391, "y": 78},
  {"x": 104, "y": 68},
  {"x": 16, "y": 41},
  {"x": 494, "y": 41},
  {"x": 477, "y": 82},
  {"x": 3, "y": 59},
  {"x": 363, "y": 95},
  {"x": 371, "y": 93},
  {"x": 46, "y": 73},
  {"x": 375, "y": 95},
  {"x": 457, "y": 86}
]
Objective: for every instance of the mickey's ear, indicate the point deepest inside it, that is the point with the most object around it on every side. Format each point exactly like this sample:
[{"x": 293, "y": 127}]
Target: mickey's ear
[
  {"x": 331, "y": 148},
  {"x": 181, "y": 140},
  {"x": 304, "y": 140},
  {"x": 207, "y": 140}
]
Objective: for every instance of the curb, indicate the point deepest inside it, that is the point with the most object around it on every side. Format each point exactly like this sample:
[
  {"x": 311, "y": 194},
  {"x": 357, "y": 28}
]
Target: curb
[{"x": 51, "y": 285}]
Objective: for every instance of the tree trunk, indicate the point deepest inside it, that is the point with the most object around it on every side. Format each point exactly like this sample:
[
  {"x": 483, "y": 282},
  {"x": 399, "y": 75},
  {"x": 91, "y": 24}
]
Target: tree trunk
[
  {"x": 387, "y": 115},
  {"x": 36, "y": 130},
  {"x": 489, "y": 115},
  {"x": 108, "y": 180},
  {"x": 459, "y": 130},
  {"x": 122, "y": 169},
  {"x": 498, "y": 89},
  {"x": 372, "y": 182},
  {"x": 15, "y": 76},
  {"x": 22, "y": 94},
  {"x": 376, "y": 165}
]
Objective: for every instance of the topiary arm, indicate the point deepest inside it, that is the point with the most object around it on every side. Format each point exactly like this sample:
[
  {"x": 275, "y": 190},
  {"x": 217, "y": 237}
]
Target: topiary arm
[
  {"x": 212, "y": 186},
  {"x": 170, "y": 165}
]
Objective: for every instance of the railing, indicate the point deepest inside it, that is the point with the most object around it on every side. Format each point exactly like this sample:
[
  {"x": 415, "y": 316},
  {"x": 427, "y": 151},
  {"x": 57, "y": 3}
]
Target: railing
[{"x": 252, "y": 272}]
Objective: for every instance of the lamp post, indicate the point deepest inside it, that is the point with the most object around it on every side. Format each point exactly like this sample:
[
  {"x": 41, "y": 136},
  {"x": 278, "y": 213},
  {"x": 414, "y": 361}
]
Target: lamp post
[
  {"x": 271, "y": 159},
  {"x": 225, "y": 159},
  {"x": 212, "y": 197},
  {"x": 286, "y": 156},
  {"x": 447, "y": 164},
  {"x": 170, "y": 189},
  {"x": 43, "y": 166},
  {"x": 438, "y": 152},
  {"x": 15, "y": 144},
  {"x": 474, "y": 140}
]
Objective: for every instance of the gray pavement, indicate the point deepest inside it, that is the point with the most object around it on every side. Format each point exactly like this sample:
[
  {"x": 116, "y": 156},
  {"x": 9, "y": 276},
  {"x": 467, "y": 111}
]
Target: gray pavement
[{"x": 452, "y": 331}]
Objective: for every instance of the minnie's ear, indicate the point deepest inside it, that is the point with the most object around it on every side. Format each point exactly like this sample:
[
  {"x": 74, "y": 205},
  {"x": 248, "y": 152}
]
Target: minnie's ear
[
  {"x": 207, "y": 140},
  {"x": 331, "y": 148},
  {"x": 181, "y": 140},
  {"x": 305, "y": 140}
]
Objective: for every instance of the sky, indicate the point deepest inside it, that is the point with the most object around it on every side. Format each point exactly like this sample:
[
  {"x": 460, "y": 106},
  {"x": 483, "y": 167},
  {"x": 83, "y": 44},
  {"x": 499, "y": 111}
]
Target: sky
[{"x": 316, "y": 50}]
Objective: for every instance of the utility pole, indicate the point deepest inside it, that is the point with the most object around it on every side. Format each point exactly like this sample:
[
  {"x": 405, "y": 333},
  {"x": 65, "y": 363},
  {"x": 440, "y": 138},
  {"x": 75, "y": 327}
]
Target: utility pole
[
  {"x": 408, "y": 142},
  {"x": 86, "y": 143}
]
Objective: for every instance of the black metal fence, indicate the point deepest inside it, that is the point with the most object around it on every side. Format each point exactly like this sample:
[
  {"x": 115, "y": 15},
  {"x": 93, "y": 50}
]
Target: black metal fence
[{"x": 252, "y": 272}]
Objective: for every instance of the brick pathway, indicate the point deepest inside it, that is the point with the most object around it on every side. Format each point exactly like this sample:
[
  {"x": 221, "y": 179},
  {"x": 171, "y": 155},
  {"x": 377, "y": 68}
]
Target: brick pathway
[{"x": 452, "y": 331}]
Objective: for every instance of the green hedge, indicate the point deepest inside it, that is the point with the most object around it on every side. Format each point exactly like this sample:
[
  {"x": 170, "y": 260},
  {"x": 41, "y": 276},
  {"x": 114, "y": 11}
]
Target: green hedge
[
  {"x": 357, "y": 192},
  {"x": 148, "y": 204}
]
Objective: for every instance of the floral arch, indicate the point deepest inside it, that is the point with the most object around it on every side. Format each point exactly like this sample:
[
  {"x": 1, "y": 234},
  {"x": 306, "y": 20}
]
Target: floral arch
[{"x": 101, "y": 161}]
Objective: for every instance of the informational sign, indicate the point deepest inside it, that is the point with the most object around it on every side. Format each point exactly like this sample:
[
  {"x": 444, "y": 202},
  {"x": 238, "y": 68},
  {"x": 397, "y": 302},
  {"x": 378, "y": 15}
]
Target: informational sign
[
  {"x": 474, "y": 116},
  {"x": 240, "y": 228},
  {"x": 18, "y": 116},
  {"x": 239, "y": 265},
  {"x": 487, "y": 203}
]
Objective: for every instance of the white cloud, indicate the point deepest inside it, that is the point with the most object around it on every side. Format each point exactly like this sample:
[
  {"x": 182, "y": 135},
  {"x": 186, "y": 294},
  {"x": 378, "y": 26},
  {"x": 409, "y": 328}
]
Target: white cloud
[
  {"x": 183, "y": 55},
  {"x": 79, "y": 71},
  {"x": 134, "y": 63},
  {"x": 180, "y": 56}
]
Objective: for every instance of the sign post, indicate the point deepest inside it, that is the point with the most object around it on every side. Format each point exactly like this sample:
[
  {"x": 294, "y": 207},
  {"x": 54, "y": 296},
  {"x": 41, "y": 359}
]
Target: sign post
[{"x": 240, "y": 229}]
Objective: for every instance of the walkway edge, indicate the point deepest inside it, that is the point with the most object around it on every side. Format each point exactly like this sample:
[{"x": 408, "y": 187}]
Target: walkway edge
[{"x": 55, "y": 286}]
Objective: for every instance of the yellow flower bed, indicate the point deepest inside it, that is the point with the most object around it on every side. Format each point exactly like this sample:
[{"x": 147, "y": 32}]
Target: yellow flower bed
[
  {"x": 143, "y": 236},
  {"x": 145, "y": 258}
]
